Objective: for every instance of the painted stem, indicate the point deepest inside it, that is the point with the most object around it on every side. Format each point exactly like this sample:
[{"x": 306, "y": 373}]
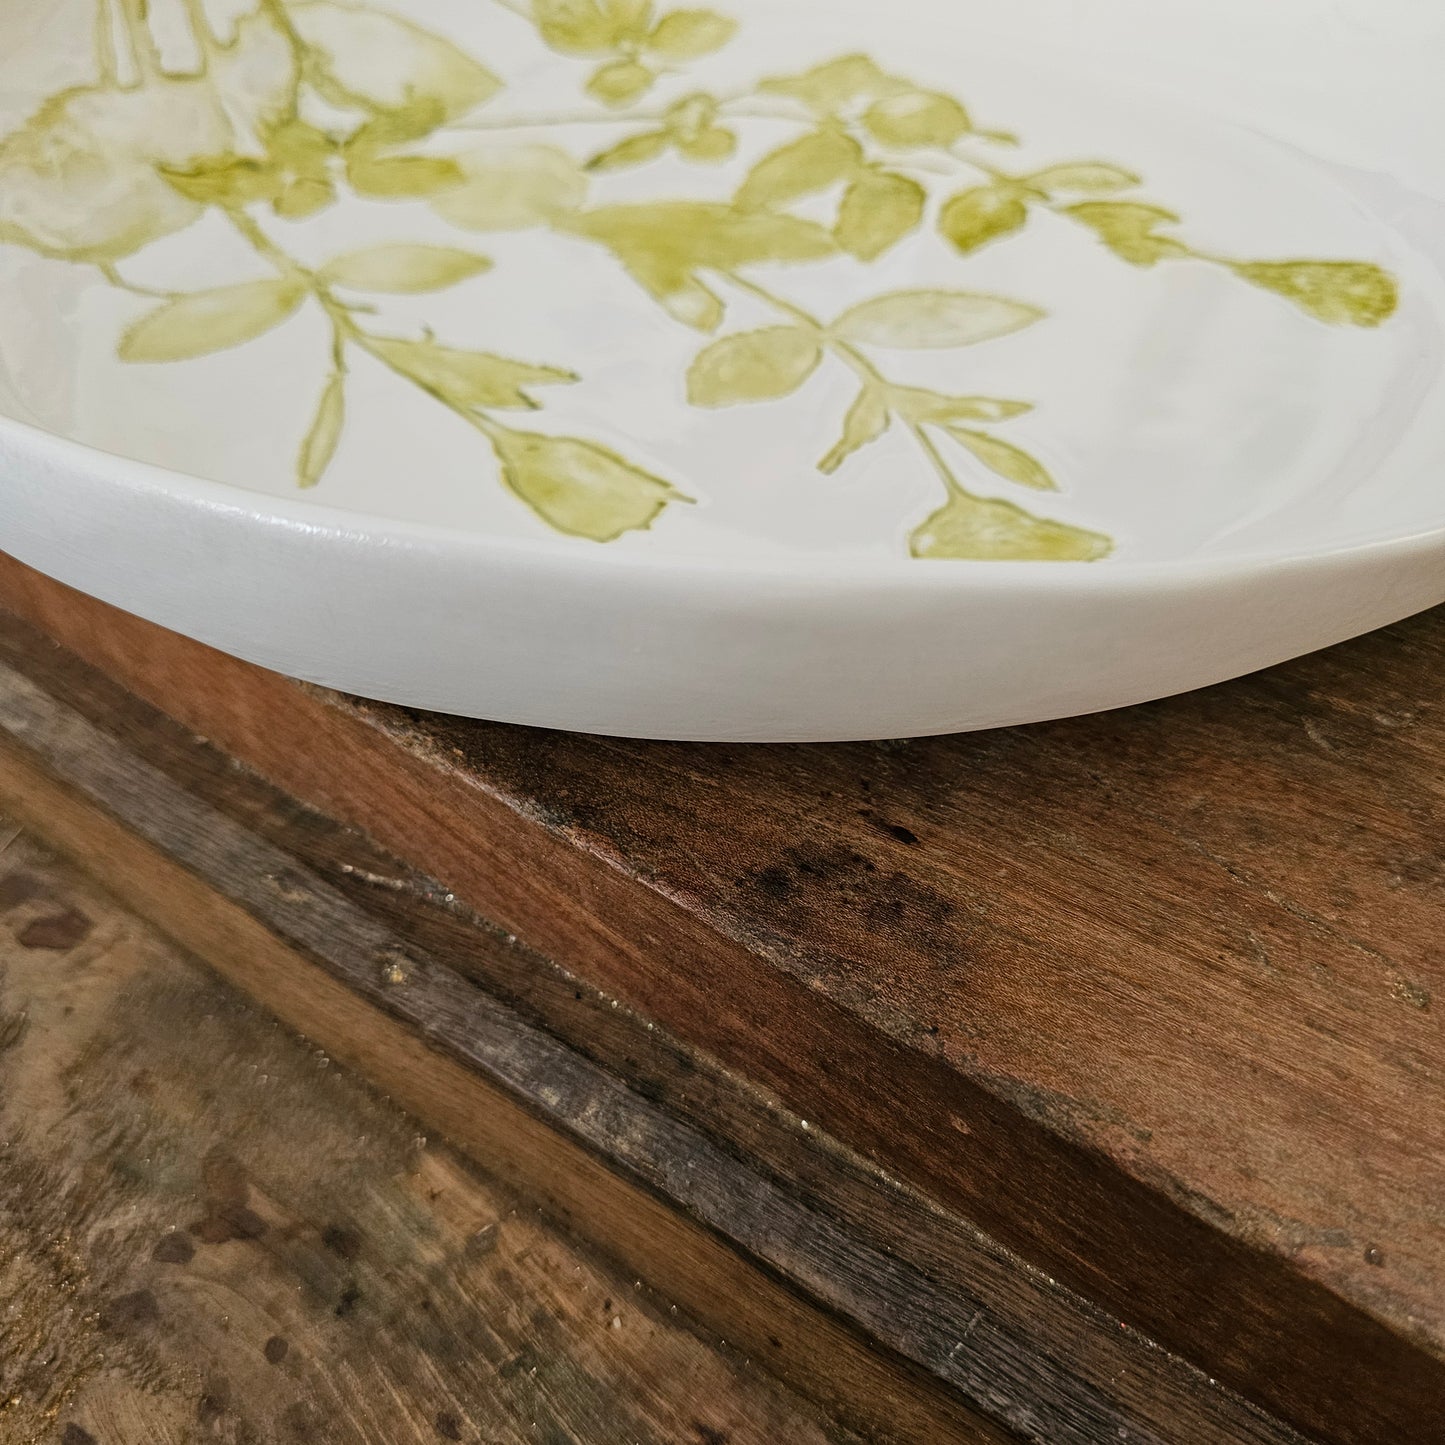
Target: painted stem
[
  {"x": 107, "y": 62},
  {"x": 740, "y": 107},
  {"x": 144, "y": 52},
  {"x": 862, "y": 367},
  {"x": 208, "y": 43},
  {"x": 344, "y": 330}
]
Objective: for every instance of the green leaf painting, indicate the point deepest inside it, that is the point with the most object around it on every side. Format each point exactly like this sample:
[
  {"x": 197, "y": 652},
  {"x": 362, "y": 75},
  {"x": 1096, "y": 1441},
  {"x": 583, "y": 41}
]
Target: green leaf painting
[{"x": 292, "y": 106}]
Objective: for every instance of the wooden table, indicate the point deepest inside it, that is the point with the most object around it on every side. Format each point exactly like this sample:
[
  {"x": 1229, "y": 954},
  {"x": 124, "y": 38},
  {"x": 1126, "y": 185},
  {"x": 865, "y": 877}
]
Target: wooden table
[{"x": 1073, "y": 1083}]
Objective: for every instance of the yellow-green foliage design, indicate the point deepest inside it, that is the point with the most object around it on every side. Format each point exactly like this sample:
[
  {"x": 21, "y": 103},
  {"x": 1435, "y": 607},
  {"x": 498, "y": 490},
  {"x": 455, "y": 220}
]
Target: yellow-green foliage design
[{"x": 304, "y": 100}]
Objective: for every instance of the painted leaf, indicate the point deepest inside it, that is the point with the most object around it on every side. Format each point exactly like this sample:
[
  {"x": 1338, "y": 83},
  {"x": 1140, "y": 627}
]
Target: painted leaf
[
  {"x": 711, "y": 147},
  {"x": 868, "y": 418},
  {"x": 832, "y": 88},
  {"x": 664, "y": 245},
  {"x": 917, "y": 118},
  {"x": 1128, "y": 229},
  {"x": 689, "y": 34},
  {"x": 975, "y": 217},
  {"x": 580, "y": 488},
  {"x": 753, "y": 366},
  {"x": 303, "y": 198},
  {"x": 512, "y": 188},
  {"x": 1342, "y": 293},
  {"x": 1087, "y": 177},
  {"x": 879, "y": 209},
  {"x": 578, "y": 27},
  {"x": 470, "y": 379},
  {"x": 300, "y": 156},
  {"x": 693, "y": 303},
  {"x": 369, "y": 57},
  {"x": 918, "y": 320},
  {"x": 621, "y": 83},
  {"x": 1006, "y": 461},
  {"x": 800, "y": 168},
  {"x": 691, "y": 116},
  {"x": 404, "y": 269},
  {"x": 402, "y": 177},
  {"x": 322, "y": 440},
  {"x": 233, "y": 181},
  {"x": 921, "y": 405},
  {"x": 631, "y": 17},
  {"x": 209, "y": 321},
  {"x": 389, "y": 129},
  {"x": 979, "y": 529},
  {"x": 636, "y": 150}
]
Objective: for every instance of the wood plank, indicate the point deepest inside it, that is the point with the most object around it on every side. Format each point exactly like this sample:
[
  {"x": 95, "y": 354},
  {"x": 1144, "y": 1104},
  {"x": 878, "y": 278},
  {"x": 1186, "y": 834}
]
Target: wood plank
[
  {"x": 914, "y": 1279},
  {"x": 439, "y": 1054},
  {"x": 1189, "y": 1084},
  {"x": 208, "y": 1230}
]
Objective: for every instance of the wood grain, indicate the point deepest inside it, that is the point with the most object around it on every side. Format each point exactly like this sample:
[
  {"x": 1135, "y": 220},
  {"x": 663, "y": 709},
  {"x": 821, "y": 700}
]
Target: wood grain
[
  {"x": 210, "y": 1231},
  {"x": 443, "y": 1064},
  {"x": 910, "y": 1277},
  {"x": 1147, "y": 997}
]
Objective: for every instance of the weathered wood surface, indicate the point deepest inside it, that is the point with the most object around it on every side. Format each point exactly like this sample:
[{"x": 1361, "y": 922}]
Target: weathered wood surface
[
  {"x": 1146, "y": 996},
  {"x": 272, "y": 894},
  {"x": 209, "y": 1231}
]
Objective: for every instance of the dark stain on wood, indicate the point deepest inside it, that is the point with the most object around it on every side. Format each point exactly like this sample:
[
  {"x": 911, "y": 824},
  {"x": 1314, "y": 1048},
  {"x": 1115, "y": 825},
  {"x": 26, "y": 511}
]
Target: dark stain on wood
[
  {"x": 275, "y": 1350},
  {"x": 58, "y": 932},
  {"x": 175, "y": 1248}
]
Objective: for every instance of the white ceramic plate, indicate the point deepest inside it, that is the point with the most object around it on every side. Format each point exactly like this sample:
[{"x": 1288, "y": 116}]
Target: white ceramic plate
[{"x": 780, "y": 369}]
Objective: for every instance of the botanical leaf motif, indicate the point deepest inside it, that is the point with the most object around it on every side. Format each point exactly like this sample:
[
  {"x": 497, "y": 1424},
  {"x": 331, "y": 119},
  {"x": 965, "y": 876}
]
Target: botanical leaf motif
[
  {"x": 800, "y": 168},
  {"x": 868, "y": 418},
  {"x": 832, "y": 88},
  {"x": 636, "y": 150},
  {"x": 975, "y": 217},
  {"x": 879, "y": 209},
  {"x": 322, "y": 440},
  {"x": 375, "y": 169},
  {"x": 402, "y": 177},
  {"x": 690, "y": 34},
  {"x": 917, "y": 118},
  {"x": 580, "y": 27},
  {"x": 403, "y": 269},
  {"x": 918, "y": 320},
  {"x": 979, "y": 529},
  {"x": 512, "y": 188},
  {"x": 1085, "y": 177},
  {"x": 691, "y": 301},
  {"x": 1007, "y": 461},
  {"x": 102, "y": 171},
  {"x": 689, "y": 126},
  {"x": 364, "y": 56},
  {"x": 387, "y": 130},
  {"x": 621, "y": 82},
  {"x": 208, "y": 321},
  {"x": 580, "y": 488},
  {"x": 753, "y": 366},
  {"x": 920, "y": 405},
  {"x": 1128, "y": 229},
  {"x": 664, "y": 246},
  {"x": 226, "y": 181},
  {"x": 471, "y": 380},
  {"x": 1342, "y": 293},
  {"x": 713, "y": 145},
  {"x": 299, "y": 157}
]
